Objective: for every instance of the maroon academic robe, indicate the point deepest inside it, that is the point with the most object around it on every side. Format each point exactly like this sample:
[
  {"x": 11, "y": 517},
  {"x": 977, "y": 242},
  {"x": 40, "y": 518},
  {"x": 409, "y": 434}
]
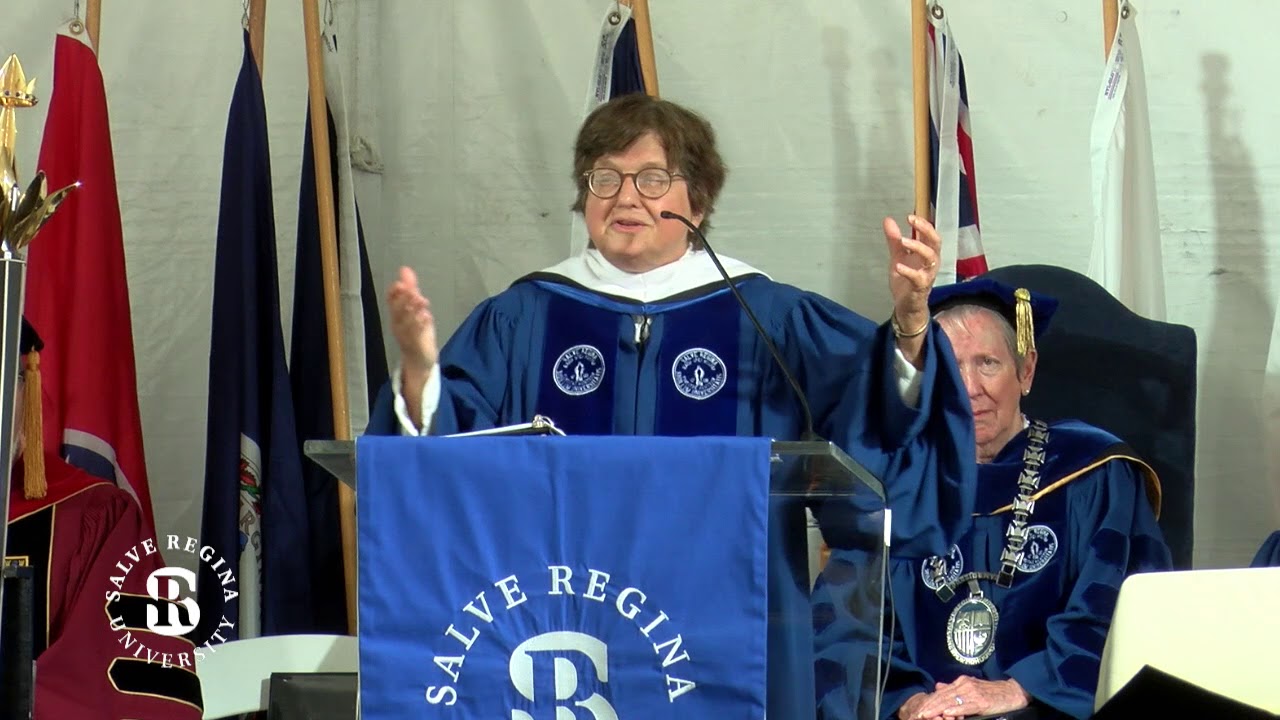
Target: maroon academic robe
[{"x": 95, "y": 657}]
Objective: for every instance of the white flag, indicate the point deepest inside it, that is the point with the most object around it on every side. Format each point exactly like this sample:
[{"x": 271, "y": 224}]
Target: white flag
[
  {"x": 1126, "y": 257},
  {"x": 615, "y": 20},
  {"x": 350, "y": 282}
]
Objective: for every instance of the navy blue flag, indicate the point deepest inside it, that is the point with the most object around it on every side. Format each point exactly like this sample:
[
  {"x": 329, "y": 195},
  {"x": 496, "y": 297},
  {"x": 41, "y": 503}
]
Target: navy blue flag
[
  {"x": 254, "y": 505},
  {"x": 365, "y": 361},
  {"x": 607, "y": 577},
  {"x": 615, "y": 72},
  {"x": 627, "y": 76}
]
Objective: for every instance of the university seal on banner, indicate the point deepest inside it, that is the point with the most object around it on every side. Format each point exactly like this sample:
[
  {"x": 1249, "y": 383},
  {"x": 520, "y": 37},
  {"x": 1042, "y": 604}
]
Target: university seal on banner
[
  {"x": 575, "y": 663},
  {"x": 615, "y": 625},
  {"x": 937, "y": 571},
  {"x": 698, "y": 373},
  {"x": 1038, "y": 549},
  {"x": 579, "y": 370}
]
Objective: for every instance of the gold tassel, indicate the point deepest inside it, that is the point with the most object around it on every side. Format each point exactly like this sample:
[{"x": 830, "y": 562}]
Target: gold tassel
[
  {"x": 1026, "y": 328},
  {"x": 34, "y": 484}
]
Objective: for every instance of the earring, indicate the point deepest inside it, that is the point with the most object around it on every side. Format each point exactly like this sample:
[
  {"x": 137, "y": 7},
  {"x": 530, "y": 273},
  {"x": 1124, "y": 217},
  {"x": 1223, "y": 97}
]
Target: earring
[{"x": 1026, "y": 391}]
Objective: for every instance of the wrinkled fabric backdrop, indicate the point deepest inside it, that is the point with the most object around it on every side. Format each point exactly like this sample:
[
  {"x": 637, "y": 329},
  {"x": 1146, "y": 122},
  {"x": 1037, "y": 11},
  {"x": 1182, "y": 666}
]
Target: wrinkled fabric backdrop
[{"x": 464, "y": 112}]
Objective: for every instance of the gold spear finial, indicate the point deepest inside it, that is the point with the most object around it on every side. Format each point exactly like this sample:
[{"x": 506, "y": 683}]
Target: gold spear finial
[
  {"x": 22, "y": 214},
  {"x": 15, "y": 91}
]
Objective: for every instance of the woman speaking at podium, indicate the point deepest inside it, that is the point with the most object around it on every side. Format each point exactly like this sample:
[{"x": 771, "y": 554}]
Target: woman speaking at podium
[{"x": 639, "y": 334}]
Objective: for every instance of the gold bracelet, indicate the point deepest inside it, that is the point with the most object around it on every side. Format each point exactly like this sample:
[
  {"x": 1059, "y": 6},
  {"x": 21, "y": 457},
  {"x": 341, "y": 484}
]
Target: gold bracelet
[{"x": 897, "y": 329}]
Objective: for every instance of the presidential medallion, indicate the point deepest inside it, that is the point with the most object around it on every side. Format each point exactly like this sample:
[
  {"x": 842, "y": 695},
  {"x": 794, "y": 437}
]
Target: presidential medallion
[{"x": 971, "y": 630}]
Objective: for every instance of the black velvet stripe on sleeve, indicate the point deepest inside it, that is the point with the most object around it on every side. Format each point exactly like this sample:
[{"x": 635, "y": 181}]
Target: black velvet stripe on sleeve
[{"x": 139, "y": 677}]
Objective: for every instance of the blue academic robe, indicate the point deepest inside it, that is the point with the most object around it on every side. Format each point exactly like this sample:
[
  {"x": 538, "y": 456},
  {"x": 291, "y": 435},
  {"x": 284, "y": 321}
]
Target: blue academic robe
[
  {"x": 1092, "y": 526},
  {"x": 692, "y": 364},
  {"x": 1269, "y": 554}
]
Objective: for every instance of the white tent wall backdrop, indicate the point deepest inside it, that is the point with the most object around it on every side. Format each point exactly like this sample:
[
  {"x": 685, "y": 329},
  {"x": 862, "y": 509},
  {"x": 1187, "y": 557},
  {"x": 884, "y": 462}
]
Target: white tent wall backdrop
[{"x": 466, "y": 110}]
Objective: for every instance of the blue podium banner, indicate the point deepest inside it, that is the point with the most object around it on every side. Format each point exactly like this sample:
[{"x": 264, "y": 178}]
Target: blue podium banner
[{"x": 547, "y": 578}]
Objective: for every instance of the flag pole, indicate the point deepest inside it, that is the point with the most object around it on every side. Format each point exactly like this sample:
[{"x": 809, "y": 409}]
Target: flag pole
[
  {"x": 329, "y": 271},
  {"x": 644, "y": 44},
  {"x": 1110, "y": 19},
  {"x": 920, "y": 104},
  {"x": 93, "y": 21},
  {"x": 257, "y": 30}
]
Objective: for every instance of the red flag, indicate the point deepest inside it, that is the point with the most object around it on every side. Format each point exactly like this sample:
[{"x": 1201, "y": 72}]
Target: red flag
[{"x": 77, "y": 292}]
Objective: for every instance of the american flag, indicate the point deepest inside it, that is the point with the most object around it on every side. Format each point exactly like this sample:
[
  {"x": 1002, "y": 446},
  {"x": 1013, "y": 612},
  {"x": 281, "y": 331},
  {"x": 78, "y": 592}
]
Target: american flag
[{"x": 954, "y": 182}]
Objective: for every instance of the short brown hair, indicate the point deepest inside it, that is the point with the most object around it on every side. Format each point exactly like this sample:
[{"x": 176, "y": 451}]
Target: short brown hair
[{"x": 686, "y": 136}]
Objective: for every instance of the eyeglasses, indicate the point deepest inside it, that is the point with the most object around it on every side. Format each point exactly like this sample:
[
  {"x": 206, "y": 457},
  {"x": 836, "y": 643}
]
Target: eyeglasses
[{"x": 652, "y": 183}]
